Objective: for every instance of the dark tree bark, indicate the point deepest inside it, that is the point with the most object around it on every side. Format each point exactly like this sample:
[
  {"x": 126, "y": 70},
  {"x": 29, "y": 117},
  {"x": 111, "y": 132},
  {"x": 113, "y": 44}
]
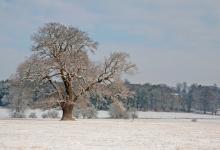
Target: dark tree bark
[{"x": 67, "y": 108}]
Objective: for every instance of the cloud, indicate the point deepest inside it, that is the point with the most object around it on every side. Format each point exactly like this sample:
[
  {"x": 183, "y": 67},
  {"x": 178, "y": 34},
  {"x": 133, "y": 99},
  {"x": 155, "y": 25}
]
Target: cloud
[
  {"x": 170, "y": 40},
  {"x": 168, "y": 66}
]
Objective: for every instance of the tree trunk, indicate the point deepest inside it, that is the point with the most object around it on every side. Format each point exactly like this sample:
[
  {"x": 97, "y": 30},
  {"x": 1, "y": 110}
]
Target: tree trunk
[
  {"x": 204, "y": 111},
  {"x": 67, "y": 109}
]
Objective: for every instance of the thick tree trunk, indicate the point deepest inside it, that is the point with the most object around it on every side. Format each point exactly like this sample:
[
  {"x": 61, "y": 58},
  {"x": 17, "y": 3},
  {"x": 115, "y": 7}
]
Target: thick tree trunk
[{"x": 67, "y": 109}]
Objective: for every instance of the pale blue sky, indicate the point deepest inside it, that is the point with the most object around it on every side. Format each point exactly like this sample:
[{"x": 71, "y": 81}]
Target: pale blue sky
[{"x": 170, "y": 40}]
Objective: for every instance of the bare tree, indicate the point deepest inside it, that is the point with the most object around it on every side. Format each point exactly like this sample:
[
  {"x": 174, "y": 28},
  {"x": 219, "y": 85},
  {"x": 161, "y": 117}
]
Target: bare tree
[
  {"x": 20, "y": 93},
  {"x": 60, "y": 54}
]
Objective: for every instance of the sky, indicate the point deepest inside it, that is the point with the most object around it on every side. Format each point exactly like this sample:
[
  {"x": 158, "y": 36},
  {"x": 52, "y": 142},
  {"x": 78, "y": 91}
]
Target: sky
[{"x": 170, "y": 41}]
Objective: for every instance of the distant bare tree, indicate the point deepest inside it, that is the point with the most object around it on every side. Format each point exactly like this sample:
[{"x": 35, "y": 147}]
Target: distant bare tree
[
  {"x": 20, "y": 93},
  {"x": 60, "y": 54}
]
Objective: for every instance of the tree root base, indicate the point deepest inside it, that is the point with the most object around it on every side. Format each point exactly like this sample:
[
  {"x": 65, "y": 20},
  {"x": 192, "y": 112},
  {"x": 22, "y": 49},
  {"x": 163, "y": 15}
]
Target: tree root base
[{"x": 68, "y": 119}]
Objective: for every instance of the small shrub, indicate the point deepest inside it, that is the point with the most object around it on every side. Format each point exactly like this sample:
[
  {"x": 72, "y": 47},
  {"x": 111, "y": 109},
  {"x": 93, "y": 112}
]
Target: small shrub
[
  {"x": 134, "y": 116},
  {"x": 117, "y": 111},
  {"x": 32, "y": 115},
  {"x": 132, "y": 113},
  {"x": 18, "y": 115},
  {"x": 50, "y": 114},
  {"x": 44, "y": 115},
  {"x": 89, "y": 112},
  {"x": 77, "y": 112},
  {"x": 53, "y": 114},
  {"x": 194, "y": 120}
]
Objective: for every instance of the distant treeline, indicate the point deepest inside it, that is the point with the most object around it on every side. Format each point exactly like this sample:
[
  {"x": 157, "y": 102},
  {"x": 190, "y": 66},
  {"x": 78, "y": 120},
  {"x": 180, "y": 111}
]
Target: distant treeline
[
  {"x": 148, "y": 97},
  {"x": 182, "y": 98},
  {"x": 4, "y": 91}
]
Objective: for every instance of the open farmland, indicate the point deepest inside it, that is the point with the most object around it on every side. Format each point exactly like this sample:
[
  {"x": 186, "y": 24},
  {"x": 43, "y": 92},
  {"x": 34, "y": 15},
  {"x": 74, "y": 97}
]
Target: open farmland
[{"x": 107, "y": 134}]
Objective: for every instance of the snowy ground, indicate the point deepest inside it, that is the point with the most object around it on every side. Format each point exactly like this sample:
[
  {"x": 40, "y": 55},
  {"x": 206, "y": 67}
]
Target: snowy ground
[
  {"x": 5, "y": 114},
  {"x": 160, "y": 131},
  {"x": 175, "y": 115},
  {"x": 107, "y": 134}
]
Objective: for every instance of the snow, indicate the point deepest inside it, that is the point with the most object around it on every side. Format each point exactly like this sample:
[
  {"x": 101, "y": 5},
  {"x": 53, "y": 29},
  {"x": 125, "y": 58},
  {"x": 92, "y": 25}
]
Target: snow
[
  {"x": 103, "y": 114},
  {"x": 164, "y": 115},
  {"x": 175, "y": 115},
  {"x": 108, "y": 134},
  {"x": 4, "y": 113},
  {"x": 153, "y": 131}
]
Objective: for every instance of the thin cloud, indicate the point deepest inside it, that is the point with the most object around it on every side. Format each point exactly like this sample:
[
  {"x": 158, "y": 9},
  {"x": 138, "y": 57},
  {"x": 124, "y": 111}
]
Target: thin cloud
[{"x": 165, "y": 38}]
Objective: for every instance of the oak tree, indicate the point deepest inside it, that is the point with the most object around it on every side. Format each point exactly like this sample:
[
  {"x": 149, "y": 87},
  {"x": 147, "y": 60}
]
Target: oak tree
[{"x": 61, "y": 55}]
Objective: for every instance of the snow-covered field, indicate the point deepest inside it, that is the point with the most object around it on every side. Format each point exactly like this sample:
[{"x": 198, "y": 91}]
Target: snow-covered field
[
  {"x": 159, "y": 131},
  {"x": 153, "y": 131},
  {"x": 107, "y": 134}
]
